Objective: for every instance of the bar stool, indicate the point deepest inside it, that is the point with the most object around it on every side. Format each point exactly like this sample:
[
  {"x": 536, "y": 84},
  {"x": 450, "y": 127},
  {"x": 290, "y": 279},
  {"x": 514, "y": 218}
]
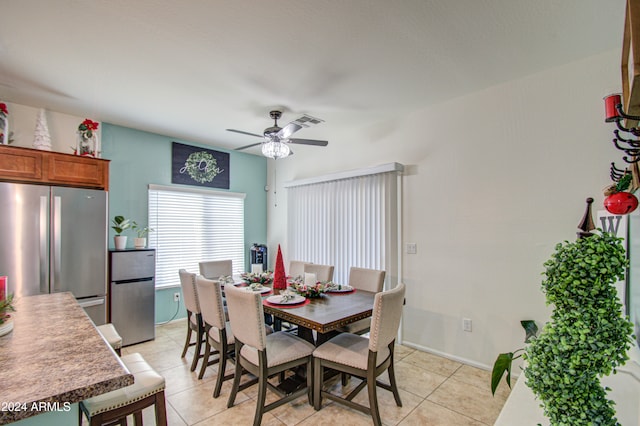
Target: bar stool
[
  {"x": 109, "y": 333},
  {"x": 113, "y": 407}
]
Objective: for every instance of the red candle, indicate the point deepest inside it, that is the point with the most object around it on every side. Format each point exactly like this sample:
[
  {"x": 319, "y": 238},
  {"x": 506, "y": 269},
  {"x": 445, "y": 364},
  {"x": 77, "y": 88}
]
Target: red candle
[
  {"x": 610, "y": 102},
  {"x": 3, "y": 288}
]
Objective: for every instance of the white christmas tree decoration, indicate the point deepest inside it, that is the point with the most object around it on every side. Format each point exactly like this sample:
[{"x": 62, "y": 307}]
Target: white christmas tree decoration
[{"x": 41, "y": 138}]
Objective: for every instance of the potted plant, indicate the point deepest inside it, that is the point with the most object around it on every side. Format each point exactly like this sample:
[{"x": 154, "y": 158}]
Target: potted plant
[
  {"x": 120, "y": 224},
  {"x": 503, "y": 363},
  {"x": 140, "y": 241},
  {"x": 587, "y": 336}
]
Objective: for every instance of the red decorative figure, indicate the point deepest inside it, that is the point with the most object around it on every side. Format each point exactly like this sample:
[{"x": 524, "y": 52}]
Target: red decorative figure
[
  {"x": 279, "y": 275},
  {"x": 621, "y": 203}
]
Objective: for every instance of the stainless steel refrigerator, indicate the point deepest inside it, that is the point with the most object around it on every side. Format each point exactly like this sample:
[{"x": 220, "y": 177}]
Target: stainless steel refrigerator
[
  {"x": 132, "y": 294},
  {"x": 54, "y": 239}
]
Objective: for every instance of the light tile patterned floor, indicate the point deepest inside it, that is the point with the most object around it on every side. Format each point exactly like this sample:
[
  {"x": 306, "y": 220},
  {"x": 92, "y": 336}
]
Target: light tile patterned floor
[{"x": 435, "y": 392}]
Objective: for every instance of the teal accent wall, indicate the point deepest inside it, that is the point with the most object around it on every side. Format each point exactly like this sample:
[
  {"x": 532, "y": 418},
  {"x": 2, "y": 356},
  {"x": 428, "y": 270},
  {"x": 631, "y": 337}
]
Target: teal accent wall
[
  {"x": 53, "y": 418},
  {"x": 141, "y": 158}
]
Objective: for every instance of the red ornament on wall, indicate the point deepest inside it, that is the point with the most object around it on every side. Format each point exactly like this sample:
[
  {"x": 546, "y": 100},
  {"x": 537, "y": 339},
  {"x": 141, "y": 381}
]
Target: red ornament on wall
[
  {"x": 279, "y": 275},
  {"x": 621, "y": 203}
]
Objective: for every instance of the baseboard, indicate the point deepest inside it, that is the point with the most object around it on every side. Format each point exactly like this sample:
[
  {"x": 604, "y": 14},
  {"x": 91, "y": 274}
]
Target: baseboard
[{"x": 462, "y": 360}]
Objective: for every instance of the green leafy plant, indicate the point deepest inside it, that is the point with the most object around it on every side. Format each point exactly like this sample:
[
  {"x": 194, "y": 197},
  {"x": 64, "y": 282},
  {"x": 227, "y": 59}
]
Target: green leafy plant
[
  {"x": 120, "y": 224},
  {"x": 6, "y": 306},
  {"x": 503, "y": 363},
  {"x": 141, "y": 231},
  {"x": 587, "y": 336},
  {"x": 624, "y": 182}
]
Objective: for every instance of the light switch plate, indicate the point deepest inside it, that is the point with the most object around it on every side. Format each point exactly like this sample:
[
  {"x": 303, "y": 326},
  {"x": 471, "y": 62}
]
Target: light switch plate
[{"x": 412, "y": 248}]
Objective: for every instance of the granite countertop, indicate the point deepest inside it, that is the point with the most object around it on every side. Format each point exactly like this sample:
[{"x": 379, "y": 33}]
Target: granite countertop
[{"x": 54, "y": 355}]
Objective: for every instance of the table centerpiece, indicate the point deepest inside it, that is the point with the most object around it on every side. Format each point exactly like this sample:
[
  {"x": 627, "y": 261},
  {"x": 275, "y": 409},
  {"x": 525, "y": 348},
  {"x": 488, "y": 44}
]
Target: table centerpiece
[
  {"x": 309, "y": 290},
  {"x": 264, "y": 278}
]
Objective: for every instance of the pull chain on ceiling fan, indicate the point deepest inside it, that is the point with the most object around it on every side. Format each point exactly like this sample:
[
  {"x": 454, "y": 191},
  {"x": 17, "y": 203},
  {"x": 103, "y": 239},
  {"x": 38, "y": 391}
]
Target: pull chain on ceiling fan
[{"x": 276, "y": 139}]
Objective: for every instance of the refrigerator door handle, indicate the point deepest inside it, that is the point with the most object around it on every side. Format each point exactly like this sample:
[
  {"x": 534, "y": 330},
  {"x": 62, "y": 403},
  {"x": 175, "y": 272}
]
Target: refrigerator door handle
[
  {"x": 42, "y": 257},
  {"x": 88, "y": 303},
  {"x": 56, "y": 242}
]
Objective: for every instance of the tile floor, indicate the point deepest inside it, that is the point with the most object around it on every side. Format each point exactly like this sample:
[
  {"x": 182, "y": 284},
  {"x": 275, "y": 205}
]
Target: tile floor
[{"x": 435, "y": 392}]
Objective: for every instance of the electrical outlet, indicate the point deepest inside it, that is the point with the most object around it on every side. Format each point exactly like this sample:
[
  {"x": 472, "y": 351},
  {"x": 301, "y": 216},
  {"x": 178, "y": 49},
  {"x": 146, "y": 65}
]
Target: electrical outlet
[
  {"x": 412, "y": 248},
  {"x": 466, "y": 324},
  {"x": 176, "y": 297}
]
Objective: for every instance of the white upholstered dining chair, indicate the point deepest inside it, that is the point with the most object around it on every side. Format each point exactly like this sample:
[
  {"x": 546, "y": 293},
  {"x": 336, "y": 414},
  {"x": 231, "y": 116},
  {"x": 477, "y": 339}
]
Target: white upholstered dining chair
[
  {"x": 323, "y": 272},
  {"x": 368, "y": 280},
  {"x": 213, "y": 269},
  {"x": 194, "y": 317},
  {"x": 217, "y": 330},
  {"x": 263, "y": 355},
  {"x": 296, "y": 268},
  {"x": 364, "y": 358}
]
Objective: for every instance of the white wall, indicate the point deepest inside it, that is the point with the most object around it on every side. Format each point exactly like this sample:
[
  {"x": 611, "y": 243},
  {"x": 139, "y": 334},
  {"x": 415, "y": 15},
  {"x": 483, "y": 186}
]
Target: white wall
[
  {"x": 495, "y": 179},
  {"x": 62, "y": 127}
]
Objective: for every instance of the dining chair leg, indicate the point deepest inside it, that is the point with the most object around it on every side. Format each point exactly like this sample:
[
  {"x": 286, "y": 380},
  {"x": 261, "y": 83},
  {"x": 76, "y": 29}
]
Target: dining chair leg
[
  {"x": 317, "y": 383},
  {"x": 236, "y": 379},
  {"x": 196, "y": 355},
  {"x": 262, "y": 396},
  {"x": 205, "y": 359},
  {"x": 392, "y": 382},
  {"x": 186, "y": 343},
  {"x": 310, "y": 380},
  {"x": 137, "y": 418},
  {"x": 373, "y": 400},
  {"x": 222, "y": 366}
]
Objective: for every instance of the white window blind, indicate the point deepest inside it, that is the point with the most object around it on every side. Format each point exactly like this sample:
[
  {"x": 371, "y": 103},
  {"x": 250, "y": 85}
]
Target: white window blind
[
  {"x": 193, "y": 226},
  {"x": 348, "y": 219}
]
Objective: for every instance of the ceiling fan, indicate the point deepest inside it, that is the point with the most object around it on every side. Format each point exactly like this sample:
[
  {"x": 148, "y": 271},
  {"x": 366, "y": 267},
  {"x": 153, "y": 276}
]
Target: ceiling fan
[{"x": 276, "y": 140}]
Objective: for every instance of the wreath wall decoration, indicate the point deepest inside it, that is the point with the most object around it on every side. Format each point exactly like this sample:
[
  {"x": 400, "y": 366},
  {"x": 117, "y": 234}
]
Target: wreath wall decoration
[{"x": 199, "y": 166}]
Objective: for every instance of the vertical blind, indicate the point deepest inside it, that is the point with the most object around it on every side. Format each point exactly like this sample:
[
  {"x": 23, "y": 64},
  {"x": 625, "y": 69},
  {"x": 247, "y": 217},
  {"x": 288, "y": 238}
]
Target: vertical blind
[
  {"x": 346, "y": 222},
  {"x": 193, "y": 226}
]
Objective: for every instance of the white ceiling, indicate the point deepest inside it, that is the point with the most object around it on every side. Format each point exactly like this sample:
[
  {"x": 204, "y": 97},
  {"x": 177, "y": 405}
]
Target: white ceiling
[{"x": 192, "y": 68}]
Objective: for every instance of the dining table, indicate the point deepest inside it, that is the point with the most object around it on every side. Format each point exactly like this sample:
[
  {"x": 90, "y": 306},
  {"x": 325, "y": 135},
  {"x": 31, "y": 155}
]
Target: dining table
[{"x": 324, "y": 314}]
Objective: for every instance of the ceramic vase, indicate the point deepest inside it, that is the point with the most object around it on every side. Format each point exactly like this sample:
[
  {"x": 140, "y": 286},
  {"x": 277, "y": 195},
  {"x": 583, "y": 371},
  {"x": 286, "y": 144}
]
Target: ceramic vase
[
  {"x": 120, "y": 242},
  {"x": 139, "y": 243}
]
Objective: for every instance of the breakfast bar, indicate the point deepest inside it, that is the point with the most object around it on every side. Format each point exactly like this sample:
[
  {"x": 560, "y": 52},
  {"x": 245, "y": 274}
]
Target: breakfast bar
[{"x": 53, "y": 359}]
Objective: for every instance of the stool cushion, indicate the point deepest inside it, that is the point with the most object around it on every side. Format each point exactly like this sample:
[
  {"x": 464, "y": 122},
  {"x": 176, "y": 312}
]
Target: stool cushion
[
  {"x": 109, "y": 333},
  {"x": 146, "y": 383}
]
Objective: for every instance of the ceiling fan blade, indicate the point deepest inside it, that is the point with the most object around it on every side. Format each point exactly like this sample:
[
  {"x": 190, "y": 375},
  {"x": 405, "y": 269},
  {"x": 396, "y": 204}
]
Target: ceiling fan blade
[
  {"x": 297, "y": 124},
  {"x": 244, "y": 133},
  {"x": 309, "y": 142},
  {"x": 288, "y": 130},
  {"x": 248, "y": 146}
]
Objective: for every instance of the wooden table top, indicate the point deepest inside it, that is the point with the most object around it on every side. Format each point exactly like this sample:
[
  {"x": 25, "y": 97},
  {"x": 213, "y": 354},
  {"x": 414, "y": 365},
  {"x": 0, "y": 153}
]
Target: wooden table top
[{"x": 329, "y": 312}]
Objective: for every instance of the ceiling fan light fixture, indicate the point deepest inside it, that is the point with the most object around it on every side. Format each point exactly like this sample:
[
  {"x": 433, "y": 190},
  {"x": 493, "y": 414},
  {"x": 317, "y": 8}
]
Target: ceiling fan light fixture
[{"x": 275, "y": 150}]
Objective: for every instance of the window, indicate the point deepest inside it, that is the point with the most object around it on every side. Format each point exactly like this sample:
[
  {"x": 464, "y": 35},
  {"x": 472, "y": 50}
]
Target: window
[
  {"x": 347, "y": 219},
  {"x": 192, "y": 225}
]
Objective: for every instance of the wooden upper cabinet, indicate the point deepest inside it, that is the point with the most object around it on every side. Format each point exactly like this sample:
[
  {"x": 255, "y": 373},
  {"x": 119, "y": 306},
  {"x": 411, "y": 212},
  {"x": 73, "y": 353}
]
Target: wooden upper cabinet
[{"x": 52, "y": 168}]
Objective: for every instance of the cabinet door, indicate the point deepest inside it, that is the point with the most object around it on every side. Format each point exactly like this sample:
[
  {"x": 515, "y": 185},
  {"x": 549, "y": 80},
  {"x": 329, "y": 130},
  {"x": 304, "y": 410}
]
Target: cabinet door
[
  {"x": 77, "y": 171},
  {"x": 21, "y": 165}
]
